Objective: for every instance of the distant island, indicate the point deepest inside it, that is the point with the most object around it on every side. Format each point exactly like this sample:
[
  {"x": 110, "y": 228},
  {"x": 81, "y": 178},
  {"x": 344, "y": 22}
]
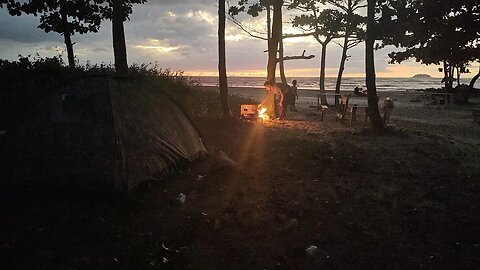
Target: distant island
[{"x": 422, "y": 76}]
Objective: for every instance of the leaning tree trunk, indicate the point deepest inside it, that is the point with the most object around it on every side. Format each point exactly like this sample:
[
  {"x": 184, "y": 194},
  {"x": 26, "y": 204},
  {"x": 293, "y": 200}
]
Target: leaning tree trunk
[
  {"x": 474, "y": 79},
  {"x": 472, "y": 83},
  {"x": 342, "y": 67},
  {"x": 322, "y": 74},
  {"x": 68, "y": 42},
  {"x": 118, "y": 33},
  {"x": 376, "y": 120},
  {"x": 222, "y": 67},
  {"x": 69, "y": 45}
]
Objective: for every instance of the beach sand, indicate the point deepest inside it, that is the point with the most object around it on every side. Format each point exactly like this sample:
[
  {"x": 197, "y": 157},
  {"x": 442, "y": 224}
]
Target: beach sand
[{"x": 410, "y": 112}]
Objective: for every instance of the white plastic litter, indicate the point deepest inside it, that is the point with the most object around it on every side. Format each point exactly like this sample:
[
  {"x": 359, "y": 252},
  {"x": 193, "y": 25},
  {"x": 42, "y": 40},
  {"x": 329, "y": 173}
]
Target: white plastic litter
[{"x": 182, "y": 197}]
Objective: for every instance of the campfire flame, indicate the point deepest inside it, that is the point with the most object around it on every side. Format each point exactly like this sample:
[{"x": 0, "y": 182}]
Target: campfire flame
[{"x": 262, "y": 113}]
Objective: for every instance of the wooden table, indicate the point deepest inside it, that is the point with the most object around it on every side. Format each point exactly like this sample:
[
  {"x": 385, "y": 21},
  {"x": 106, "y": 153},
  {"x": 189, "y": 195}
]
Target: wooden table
[
  {"x": 327, "y": 95},
  {"x": 446, "y": 98},
  {"x": 353, "y": 112},
  {"x": 476, "y": 116}
]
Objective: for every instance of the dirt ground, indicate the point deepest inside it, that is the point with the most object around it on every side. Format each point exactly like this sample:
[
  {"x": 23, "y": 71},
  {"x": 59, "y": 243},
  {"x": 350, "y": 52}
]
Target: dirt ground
[{"x": 306, "y": 195}]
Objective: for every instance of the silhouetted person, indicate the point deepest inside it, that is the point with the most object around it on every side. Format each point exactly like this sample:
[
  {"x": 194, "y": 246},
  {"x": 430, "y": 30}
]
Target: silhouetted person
[
  {"x": 359, "y": 91},
  {"x": 293, "y": 96}
]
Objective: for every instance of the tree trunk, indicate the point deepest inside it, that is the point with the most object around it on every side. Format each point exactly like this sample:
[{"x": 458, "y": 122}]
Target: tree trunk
[
  {"x": 269, "y": 22},
  {"x": 322, "y": 74},
  {"x": 274, "y": 40},
  {"x": 458, "y": 75},
  {"x": 452, "y": 70},
  {"x": 342, "y": 67},
  {"x": 272, "y": 54},
  {"x": 344, "y": 53},
  {"x": 222, "y": 67},
  {"x": 118, "y": 33},
  {"x": 280, "y": 53},
  {"x": 282, "y": 63},
  {"x": 445, "y": 75},
  {"x": 375, "y": 119},
  {"x": 450, "y": 77},
  {"x": 68, "y": 42},
  {"x": 69, "y": 45}
]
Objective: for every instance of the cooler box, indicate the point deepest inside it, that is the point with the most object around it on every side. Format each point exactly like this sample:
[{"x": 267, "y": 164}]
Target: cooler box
[{"x": 248, "y": 111}]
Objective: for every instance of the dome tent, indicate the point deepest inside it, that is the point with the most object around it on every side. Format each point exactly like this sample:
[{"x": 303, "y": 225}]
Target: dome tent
[{"x": 107, "y": 132}]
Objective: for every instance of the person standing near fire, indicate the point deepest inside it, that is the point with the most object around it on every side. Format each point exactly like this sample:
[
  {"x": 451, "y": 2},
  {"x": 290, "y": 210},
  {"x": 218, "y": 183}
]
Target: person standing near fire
[{"x": 276, "y": 90}]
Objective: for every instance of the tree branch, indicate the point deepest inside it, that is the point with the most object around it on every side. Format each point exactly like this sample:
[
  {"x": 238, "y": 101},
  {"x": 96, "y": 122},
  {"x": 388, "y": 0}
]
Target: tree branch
[
  {"x": 244, "y": 29},
  {"x": 296, "y": 57},
  {"x": 298, "y": 35},
  {"x": 353, "y": 43}
]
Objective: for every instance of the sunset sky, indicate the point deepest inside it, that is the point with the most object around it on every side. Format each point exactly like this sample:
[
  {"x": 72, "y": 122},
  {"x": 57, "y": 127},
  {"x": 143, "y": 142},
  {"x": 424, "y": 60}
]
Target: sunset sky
[{"x": 182, "y": 35}]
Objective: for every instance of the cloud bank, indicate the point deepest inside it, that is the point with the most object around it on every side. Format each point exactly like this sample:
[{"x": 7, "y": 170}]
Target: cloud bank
[{"x": 182, "y": 35}]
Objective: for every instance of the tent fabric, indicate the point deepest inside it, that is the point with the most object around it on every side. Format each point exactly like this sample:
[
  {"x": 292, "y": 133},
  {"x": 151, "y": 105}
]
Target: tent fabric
[
  {"x": 153, "y": 132},
  {"x": 112, "y": 132}
]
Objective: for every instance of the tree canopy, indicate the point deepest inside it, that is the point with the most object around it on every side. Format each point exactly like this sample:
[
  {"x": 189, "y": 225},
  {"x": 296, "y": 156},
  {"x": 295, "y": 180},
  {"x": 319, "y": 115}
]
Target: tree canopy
[
  {"x": 61, "y": 16},
  {"x": 433, "y": 32},
  {"x": 324, "y": 24}
]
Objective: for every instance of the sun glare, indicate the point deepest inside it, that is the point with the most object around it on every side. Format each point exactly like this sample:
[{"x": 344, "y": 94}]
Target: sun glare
[{"x": 158, "y": 45}]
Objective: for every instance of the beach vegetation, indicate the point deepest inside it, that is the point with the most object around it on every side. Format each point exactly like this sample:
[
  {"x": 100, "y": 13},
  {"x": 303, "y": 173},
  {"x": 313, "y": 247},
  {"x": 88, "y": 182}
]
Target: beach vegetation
[
  {"x": 29, "y": 79},
  {"x": 347, "y": 24},
  {"x": 325, "y": 24},
  {"x": 352, "y": 32},
  {"x": 436, "y": 32}
]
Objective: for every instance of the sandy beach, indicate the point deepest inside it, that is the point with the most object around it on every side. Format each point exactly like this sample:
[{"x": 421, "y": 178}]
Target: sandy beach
[{"x": 410, "y": 111}]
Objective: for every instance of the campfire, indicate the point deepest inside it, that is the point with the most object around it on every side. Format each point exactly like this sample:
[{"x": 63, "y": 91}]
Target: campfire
[
  {"x": 253, "y": 112},
  {"x": 262, "y": 113}
]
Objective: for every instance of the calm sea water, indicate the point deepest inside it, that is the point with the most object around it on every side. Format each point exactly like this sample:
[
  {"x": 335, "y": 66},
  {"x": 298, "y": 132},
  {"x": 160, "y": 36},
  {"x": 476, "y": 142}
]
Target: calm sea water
[{"x": 310, "y": 83}]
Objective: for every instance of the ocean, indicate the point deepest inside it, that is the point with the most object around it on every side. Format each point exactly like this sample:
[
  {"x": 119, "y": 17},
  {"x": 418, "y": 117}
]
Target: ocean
[
  {"x": 311, "y": 83},
  {"x": 248, "y": 87}
]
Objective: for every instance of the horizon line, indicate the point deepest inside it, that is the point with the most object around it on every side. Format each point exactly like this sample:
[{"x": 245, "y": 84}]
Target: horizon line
[{"x": 330, "y": 77}]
